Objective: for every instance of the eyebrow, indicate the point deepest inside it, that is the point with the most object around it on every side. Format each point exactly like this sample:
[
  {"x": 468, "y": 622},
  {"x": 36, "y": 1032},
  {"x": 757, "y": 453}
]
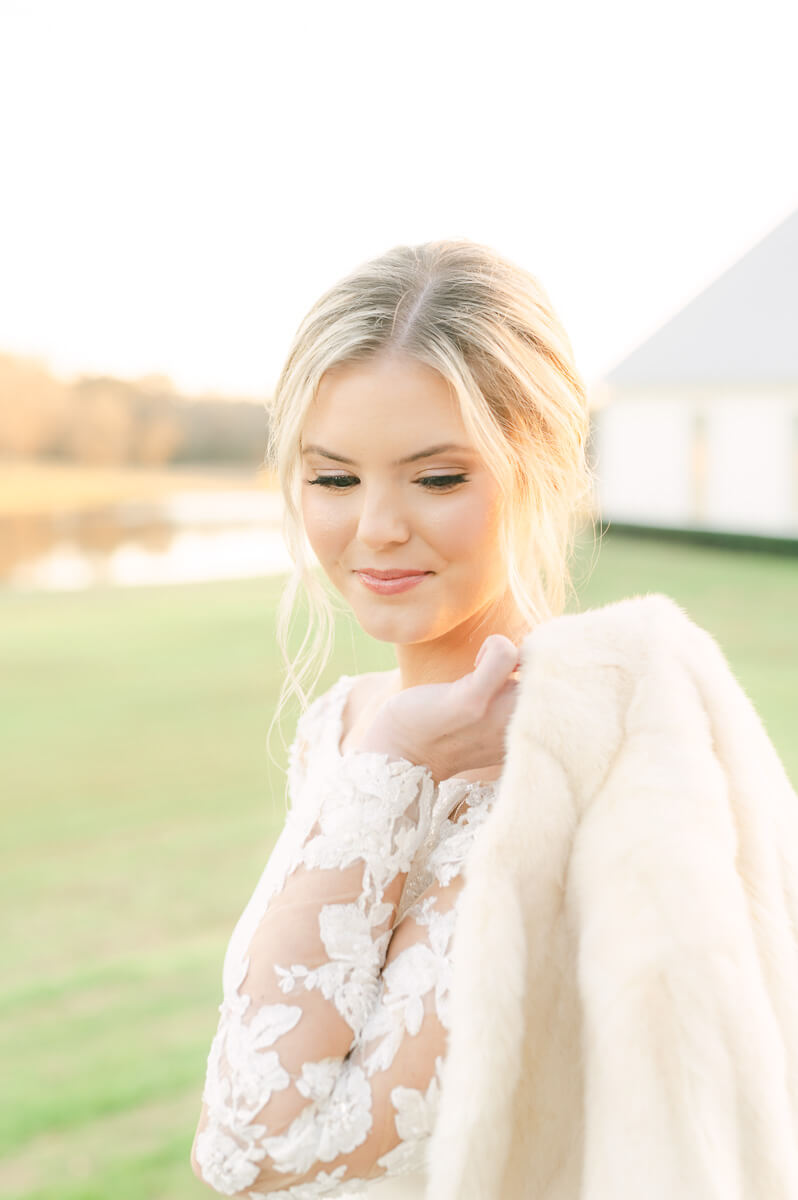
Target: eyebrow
[{"x": 428, "y": 453}]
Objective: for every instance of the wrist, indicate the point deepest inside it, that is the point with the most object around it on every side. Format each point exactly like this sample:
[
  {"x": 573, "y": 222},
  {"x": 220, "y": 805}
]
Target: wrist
[
  {"x": 374, "y": 742},
  {"x": 395, "y": 752},
  {"x": 380, "y": 737}
]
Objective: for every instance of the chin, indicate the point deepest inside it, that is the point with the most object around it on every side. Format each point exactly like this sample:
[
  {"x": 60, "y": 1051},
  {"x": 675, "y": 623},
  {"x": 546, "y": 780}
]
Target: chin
[
  {"x": 387, "y": 625},
  {"x": 401, "y": 629}
]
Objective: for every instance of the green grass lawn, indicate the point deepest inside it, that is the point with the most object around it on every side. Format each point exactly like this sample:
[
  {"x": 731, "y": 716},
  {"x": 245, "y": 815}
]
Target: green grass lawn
[{"x": 139, "y": 806}]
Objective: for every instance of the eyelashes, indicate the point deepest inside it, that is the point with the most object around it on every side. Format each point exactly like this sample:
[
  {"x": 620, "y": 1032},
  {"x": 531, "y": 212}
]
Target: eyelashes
[{"x": 433, "y": 483}]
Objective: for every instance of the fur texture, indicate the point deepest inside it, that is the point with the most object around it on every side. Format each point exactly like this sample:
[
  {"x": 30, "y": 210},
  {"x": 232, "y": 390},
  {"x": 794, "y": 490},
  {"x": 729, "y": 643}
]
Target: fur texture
[{"x": 625, "y": 992}]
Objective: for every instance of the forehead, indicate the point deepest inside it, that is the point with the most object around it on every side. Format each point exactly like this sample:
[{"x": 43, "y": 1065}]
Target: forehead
[{"x": 391, "y": 400}]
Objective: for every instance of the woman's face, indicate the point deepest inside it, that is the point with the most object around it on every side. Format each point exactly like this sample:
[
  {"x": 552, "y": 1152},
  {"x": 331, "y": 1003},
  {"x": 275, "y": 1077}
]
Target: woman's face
[{"x": 392, "y": 482}]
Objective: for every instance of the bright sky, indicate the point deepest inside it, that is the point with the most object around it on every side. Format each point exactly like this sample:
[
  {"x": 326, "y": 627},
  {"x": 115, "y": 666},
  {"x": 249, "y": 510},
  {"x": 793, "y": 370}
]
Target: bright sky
[{"x": 182, "y": 178}]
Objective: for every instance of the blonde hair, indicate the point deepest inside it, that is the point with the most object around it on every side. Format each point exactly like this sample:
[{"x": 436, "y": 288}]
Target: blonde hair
[{"x": 489, "y": 328}]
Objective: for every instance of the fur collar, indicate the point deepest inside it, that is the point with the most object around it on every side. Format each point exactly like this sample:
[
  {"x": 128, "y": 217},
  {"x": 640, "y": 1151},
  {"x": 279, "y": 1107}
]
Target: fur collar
[{"x": 625, "y": 992}]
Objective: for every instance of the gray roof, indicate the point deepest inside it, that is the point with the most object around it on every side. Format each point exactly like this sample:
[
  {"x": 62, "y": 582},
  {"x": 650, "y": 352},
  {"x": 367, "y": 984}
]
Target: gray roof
[{"x": 742, "y": 329}]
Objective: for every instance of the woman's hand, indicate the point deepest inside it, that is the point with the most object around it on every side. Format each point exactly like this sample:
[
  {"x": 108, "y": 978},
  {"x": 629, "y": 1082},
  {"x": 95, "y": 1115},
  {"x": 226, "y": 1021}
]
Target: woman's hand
[{"x": 452, "y": 727}]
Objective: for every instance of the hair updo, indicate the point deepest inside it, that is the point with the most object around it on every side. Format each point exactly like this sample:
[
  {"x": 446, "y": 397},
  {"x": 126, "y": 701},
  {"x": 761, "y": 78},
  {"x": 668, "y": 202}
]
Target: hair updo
[{"x": 489, "y": 328}]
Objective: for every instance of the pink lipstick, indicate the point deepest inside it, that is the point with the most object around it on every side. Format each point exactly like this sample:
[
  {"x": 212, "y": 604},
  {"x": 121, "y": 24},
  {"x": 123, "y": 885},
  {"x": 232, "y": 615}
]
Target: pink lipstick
[{"x": 388, "y": 583}]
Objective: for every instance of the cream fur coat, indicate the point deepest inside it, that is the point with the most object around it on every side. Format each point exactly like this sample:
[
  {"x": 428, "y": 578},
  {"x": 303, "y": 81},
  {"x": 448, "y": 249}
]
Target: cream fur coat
[{"x": 625, "y": 992}]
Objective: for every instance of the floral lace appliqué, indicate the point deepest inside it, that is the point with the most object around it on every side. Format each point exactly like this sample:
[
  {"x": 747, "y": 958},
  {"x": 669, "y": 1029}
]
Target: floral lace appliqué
[{"x": 337, "y": 978}]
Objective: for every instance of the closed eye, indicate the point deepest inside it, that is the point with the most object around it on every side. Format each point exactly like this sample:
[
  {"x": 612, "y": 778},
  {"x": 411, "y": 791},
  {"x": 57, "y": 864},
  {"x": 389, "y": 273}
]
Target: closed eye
[{"x": 437, "y": 483}]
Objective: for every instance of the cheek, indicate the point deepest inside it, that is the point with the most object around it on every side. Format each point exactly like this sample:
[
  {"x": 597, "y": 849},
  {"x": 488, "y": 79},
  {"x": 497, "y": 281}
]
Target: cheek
[
  {"x": 325, "y": 521},
  {"x": 466, "y": 532}
]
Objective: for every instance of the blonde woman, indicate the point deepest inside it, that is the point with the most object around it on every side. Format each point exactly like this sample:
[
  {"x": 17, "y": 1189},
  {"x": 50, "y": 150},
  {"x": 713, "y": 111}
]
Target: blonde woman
[{"x": 429, "y": 431}]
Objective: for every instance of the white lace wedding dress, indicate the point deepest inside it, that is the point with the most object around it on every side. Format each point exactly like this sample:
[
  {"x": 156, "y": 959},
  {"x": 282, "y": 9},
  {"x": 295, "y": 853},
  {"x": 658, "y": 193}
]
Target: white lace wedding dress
[{"x": 323, "y": 1075}]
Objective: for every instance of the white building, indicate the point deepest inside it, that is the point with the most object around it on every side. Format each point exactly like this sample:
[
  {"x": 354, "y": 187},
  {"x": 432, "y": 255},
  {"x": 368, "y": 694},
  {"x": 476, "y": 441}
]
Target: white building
[{"x": 698, "y": 427}]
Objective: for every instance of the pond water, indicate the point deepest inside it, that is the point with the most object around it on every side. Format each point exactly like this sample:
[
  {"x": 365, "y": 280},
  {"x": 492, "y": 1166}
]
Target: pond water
[{"x": 187, "y": 537}]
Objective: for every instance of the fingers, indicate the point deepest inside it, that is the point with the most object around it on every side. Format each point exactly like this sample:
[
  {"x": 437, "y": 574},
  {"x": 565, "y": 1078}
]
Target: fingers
[
  {"x": 496, "y": 642},
  {"x": 498, "y": 657}
]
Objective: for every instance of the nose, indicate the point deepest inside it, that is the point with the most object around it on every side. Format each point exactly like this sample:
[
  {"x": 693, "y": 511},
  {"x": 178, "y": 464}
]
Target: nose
[{"x": 381, "y": 520}]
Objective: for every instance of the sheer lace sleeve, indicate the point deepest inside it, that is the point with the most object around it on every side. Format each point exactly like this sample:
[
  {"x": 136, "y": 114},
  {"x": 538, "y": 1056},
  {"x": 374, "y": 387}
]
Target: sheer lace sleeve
[{"x": 324, "y": 1068}]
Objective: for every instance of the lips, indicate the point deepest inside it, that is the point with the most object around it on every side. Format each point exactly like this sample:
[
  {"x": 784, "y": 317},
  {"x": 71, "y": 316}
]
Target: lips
[
  {"x": 394, "y": 582},
  {"x": 394, "y": 573}
]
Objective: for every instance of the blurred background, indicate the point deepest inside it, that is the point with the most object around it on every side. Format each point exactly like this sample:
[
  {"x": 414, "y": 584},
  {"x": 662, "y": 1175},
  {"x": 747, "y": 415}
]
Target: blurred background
[{"x": 180, "y": 182}]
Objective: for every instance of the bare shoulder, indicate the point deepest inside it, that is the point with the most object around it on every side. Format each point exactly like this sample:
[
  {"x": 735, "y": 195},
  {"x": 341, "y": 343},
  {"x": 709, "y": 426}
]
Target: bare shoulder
[
  {"x": 370, "y": 689},
  {"x": 376, "y": 683},
  {"x": 367, "y": 692}
]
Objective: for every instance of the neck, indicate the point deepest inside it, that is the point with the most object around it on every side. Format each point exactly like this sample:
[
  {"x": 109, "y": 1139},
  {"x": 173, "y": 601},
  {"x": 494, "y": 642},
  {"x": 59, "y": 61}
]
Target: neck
[{"x": 449, "y": 657}]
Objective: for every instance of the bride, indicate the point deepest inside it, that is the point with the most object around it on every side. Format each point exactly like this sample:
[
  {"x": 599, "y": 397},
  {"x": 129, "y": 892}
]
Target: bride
[{"x": 429, "y": 431}]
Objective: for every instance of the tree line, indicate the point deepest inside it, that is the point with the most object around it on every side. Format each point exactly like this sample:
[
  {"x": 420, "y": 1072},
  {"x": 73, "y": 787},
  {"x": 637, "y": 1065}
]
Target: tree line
[{"x": 100, "y": 420}]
